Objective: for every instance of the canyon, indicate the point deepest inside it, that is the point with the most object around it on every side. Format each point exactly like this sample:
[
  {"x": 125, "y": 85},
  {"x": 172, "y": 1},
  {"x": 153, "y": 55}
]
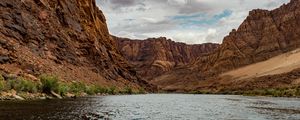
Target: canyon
[
  {"x": 263, "y": 35},
  {"x": 70, "y": 39},
  {"x": 155, "y": 56},
  {"x": 55, "y": 49},
  {"x": 65, "y": 38}
]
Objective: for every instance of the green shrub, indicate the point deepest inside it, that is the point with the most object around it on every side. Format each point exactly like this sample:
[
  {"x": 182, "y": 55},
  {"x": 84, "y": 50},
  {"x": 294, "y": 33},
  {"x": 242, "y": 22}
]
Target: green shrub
[
  {"x": 77, "y": 87},
  {"x": 95, "y": 89},
  {"x": 91, "y": 90},
  {"x": 111, "y": 90},
  {"x": 1, "y": 78},
  {"x": 128, "y": 90},
  {"x": 290, "y": 92},
  {"x": 10, "y": 84},
  {"x": 13, "y": 84},
  {"x": 2, "y": 85},
  {"x": 275, "y": 92},
  {"x": 63, "y": 89},
  {"x": 141, "y": 91},
  {"x": 27, "y": 86},
  {"x": 21, "y": 84},
  {"x": 100, "y": 89},
  {"x": 201, "y": 92},
  {"x": 49, "y": 83},
  {"x": 298, "y": 91},
  {"x": 271, "y": 92}
]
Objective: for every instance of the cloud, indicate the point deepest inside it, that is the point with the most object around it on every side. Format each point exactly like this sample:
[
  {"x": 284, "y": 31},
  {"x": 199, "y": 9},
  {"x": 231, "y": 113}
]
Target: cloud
[
  {"x": 190, "y": 21},
  {"x": 123, "y": 2}
]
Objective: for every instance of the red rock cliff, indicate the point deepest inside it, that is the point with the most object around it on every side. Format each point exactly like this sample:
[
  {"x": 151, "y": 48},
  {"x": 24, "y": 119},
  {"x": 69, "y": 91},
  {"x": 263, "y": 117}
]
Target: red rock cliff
[
  {"x": 263, "y": 34},
  {"x": 68, "y": 38},
  {"x": 154, "y": 56}
]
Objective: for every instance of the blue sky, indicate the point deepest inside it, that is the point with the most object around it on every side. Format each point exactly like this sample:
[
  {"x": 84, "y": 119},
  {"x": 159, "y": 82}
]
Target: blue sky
[
  {"x": 189, "y": 21},
  {"x": 195, "y": 21}
]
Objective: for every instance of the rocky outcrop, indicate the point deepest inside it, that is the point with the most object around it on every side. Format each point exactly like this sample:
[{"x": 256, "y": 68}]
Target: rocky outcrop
[
  {"x": 154, "y": 56},
  {"x": 67, "y": 38},
  {"x": 264, "y": 34}
]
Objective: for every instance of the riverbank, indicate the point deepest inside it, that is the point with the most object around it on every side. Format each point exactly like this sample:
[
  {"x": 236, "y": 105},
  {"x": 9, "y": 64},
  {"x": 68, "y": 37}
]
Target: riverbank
[
  {"x": 272, "y": 92},
  {"x": 50, "y": 87}
]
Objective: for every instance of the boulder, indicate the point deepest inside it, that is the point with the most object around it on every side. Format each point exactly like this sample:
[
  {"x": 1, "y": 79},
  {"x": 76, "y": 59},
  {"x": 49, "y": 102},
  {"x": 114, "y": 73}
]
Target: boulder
[{"x": 56, "y": 95}]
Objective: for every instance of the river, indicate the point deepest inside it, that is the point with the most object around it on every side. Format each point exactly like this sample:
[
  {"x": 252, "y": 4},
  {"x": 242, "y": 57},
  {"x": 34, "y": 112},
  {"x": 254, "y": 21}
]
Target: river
[{"x": 155, "y": 107}]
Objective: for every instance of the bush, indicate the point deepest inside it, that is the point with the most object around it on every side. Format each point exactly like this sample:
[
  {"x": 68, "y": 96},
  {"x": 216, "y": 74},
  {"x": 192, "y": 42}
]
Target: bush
[
  {"x": 111, "y": 90},
  {"x": 27, "y": 86},
  {"x": 298, "y": 92},
  {"x": 49, "y": 83},
  {"x": 94, "y": 89},
  {"x": 201, "y": 92},
  {"x": 20, "y": 84},
  {"x": 128, "y": 90},
  {"x": 63, "y": 89},
  {"x": 11, "y": 84},
  {"x": 100, "y": 89},
  {"x": 77, "y": 87},
  {"x": 1, "y": 78},
  {"x": 2, "y": 85},
  {"x": 91, "y": 90},
  {"x": 141, "y": 91}
]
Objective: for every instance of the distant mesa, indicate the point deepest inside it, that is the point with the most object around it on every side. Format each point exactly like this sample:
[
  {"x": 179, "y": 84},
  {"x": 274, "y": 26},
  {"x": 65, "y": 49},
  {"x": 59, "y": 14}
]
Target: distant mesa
[{"x": 155, "y": 56}]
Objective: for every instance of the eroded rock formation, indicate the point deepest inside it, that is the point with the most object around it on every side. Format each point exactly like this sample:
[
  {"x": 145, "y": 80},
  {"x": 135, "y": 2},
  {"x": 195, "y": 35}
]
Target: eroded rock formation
[
  {"x": 155, "y": 56},
  {"x": 67, "y": 38},
  {"x": 263, "y": 34}
]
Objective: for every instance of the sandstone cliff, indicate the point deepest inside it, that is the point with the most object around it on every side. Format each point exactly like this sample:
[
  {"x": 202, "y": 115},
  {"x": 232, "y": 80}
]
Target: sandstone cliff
[
  {"x": 155, "y": 56},
  {"x": 67, "y": 38},
  {"x": 263, "y": 35}
]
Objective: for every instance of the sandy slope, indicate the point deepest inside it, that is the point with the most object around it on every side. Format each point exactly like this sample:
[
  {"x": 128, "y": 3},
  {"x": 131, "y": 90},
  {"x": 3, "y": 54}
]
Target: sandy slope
[{"x": 276, "y": 65}]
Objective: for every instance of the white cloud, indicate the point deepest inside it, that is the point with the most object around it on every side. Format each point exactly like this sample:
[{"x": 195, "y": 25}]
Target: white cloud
[{"x": 190, "y": 21}]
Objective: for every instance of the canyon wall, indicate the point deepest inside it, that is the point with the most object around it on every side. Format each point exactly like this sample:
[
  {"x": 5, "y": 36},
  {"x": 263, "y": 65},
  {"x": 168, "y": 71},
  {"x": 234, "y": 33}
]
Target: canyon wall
[
  {"x": 67, "y": 38},
  {"x": 155, "y": 56},
  {"x": 263, "y": 34}
]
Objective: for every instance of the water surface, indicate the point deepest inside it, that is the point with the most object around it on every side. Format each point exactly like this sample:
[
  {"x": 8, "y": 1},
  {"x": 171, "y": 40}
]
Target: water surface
[{"x": 156, "y": 107}]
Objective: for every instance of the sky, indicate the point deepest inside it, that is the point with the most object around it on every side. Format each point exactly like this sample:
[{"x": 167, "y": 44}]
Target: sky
[{"x": 189, "y": 21}]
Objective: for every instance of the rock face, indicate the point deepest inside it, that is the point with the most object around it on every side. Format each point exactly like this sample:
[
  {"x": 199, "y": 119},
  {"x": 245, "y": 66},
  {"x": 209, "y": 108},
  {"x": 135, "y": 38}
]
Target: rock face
[
  {"x": 67, "y": 38},
  {"x": 154, "y": 56},
  {"x": 264, "y": 34}
]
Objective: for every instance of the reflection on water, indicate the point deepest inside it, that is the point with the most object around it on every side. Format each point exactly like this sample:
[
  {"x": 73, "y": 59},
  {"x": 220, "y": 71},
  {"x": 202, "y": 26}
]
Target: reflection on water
[{"x": 155, "y": 106}]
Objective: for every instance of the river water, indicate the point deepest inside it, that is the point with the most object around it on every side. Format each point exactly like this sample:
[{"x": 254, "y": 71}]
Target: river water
[{"x": 155, "y": 107}]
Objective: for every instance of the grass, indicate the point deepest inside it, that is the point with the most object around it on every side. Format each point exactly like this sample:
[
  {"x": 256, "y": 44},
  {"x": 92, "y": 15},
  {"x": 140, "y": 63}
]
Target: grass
[
  {"x": 127, "y": 90},
  {"x": 274, "y": 92},
  {"x": 2, "y": 85},
  {"x": 78, "y": 87},
  {"x": 298, "y": 91},
  {"x": 111, "y": 90},
  {"x": 141, "y": 91},
  {"x": 49, "y": 83},
  {"x": 20, "y": 84},
  {"x": 201, "y": 92},
  {"x": 63, "y": 89},
  {"x": 27, "y": 86},
  {"x": 94, "y": 89},
  {"x": 1, "y": 78}
]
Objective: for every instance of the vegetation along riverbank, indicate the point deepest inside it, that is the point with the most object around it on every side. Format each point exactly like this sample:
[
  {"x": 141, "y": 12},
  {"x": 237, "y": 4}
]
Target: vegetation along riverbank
[
  {"x": 51, "y": 87},
  {"x": 272, "y": 92}
]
